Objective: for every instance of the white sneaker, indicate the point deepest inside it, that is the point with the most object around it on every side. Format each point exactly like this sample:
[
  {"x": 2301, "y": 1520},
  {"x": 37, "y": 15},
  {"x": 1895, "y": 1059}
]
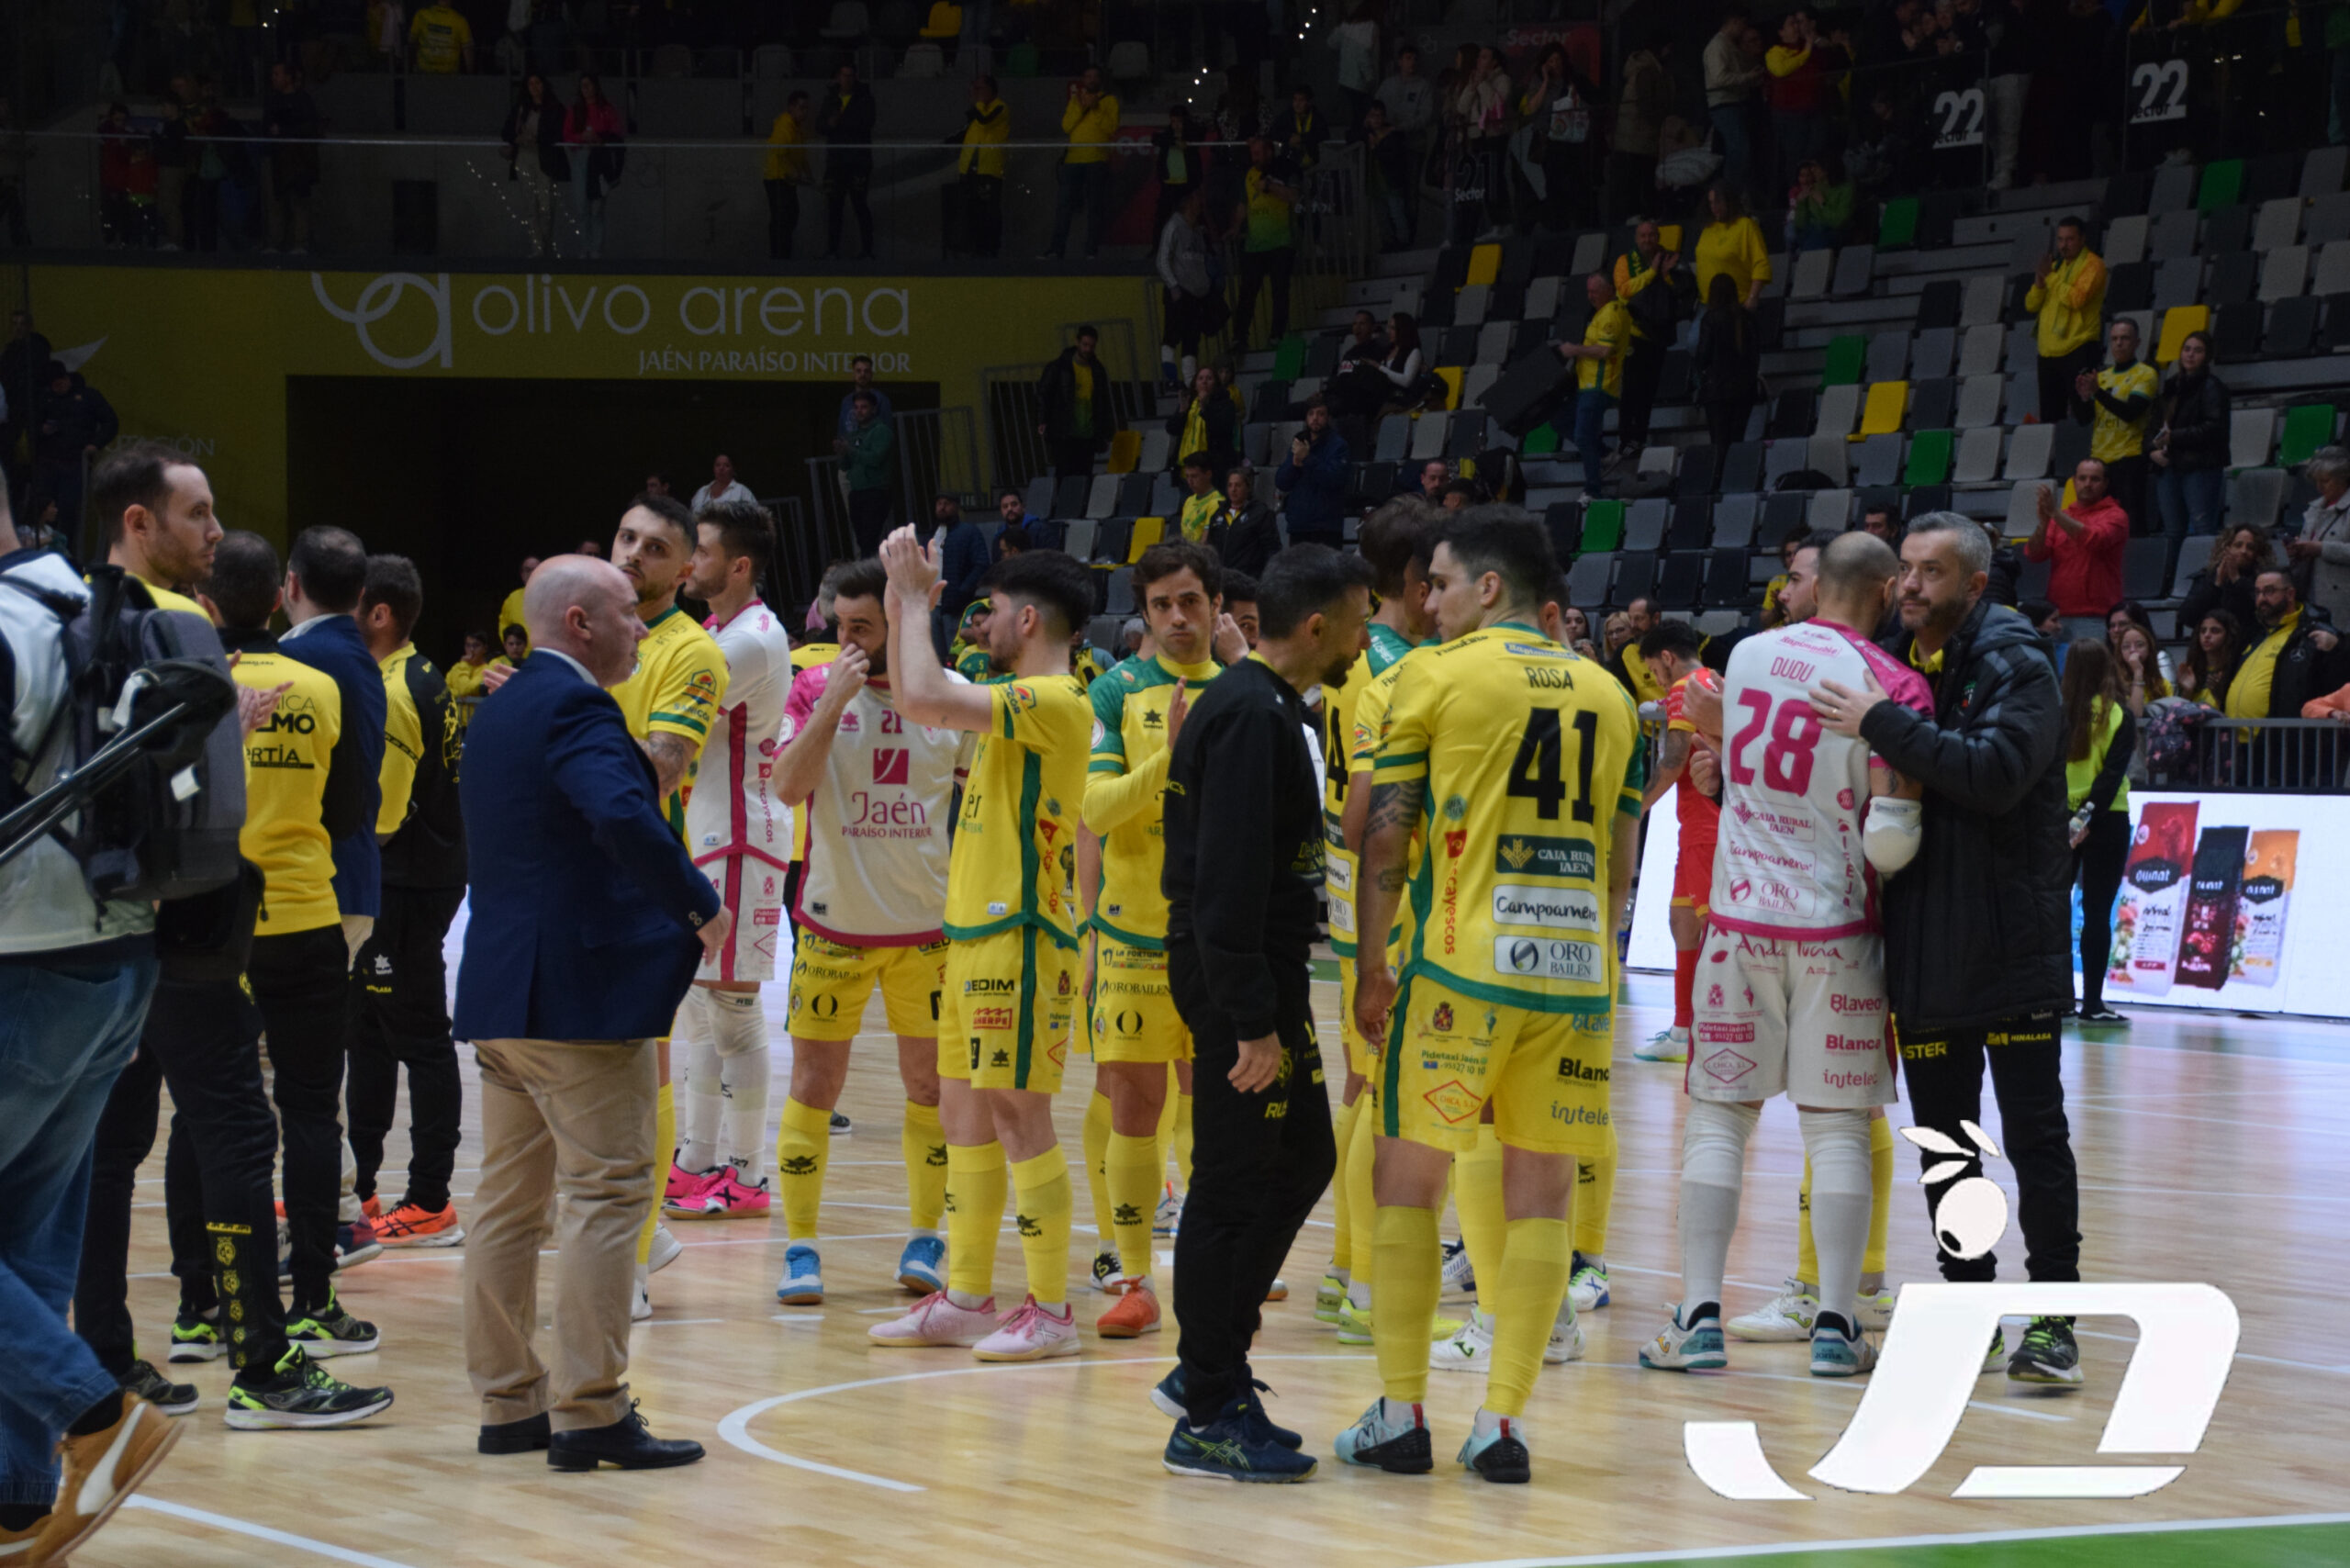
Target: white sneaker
[
  {"x": 1876, "y": 1312},
  {"x": 1460, "y": 1279},
  {"x": 1587, "y": 1290},
  {"x": 1787, "y": 1318},
  {"x": 1469, "y": 1350},
  {"x": 1168, "y": 1216},
  {"x": 936, "y": 1320},
  {"x": 1665, "y": 1045},
  {"x": 667, "y": 1250},
  {"x": 1030, "y": 1334},
  {"x": 1566, "y": 1339},
  {"x": 640, "y": 1302}
]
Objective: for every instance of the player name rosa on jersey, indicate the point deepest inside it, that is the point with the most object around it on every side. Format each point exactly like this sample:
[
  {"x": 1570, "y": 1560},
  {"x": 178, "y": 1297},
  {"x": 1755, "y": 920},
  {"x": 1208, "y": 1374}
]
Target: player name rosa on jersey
[
  {"x": 877, "y": 840},
  {"x": 1788, "y": 860},
  {"x": 731, "y": 811}
]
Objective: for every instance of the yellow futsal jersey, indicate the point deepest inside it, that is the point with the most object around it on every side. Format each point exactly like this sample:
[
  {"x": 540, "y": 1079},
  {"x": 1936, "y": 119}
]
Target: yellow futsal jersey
[
  {"x": 1527, "y": 752},
  {"x": 1015, "y": 845},
  {"x": 1372, "y": 706},
  {"x": 1387, "y": 645},
  {"x": 679, "y": 682},
  {"x": 1124, "y": 787},
  {"x": 286, "y": 788}
]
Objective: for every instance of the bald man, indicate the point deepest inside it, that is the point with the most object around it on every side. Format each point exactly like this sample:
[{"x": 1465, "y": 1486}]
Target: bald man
[{"x": 589, "y": 923}]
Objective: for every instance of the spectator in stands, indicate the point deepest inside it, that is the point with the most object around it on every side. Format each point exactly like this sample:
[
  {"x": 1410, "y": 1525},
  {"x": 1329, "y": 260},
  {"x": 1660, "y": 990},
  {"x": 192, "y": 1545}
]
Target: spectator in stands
[
  {"x": 1357, "y": 41},
  {"x": 1819, "y": 216},
  {"x": 1244, "y": 536},
  {"x": 1300, "y": 130},
  {"x": 128, "y": 178},
  {"x": 1240, "y": 602},
  {"x": 1883, "y": 157},
  {"x": 860, "y": 379},
  {"x": 1089, "y": 120},
  {"x": 72, "y": 423},
  {"x": 1012, "y": 506},
  {"x": 517, "y": 645},
  {"x": 1458, "y": 495},
  {"x": 290, "y": 119},
  {"x": 1598, "y": 363},
  {"x": 1574, "y": 631},
  {"x": 785, "y": 171},
  {"x": 1731, "y": 246},
  {"x": 724, "y": 489},
  {"x": 1479, "y": 114},
  {"x": 1429, "y": 479},
  {"x": 1733, "y": 76},
  {"x": 532, "y": 139},
  {"x": 2141, "y": 668},
  {"x": 2068, "y": 296},
  {"x": 1074, "y": 395},
  {"x": 868, "y": 461},
  {"x": 2006, "y": 569},
  {"x": 2321, "y": 554},
  {"x": 1182, "y": 169},
  {"x": 1880, "y": 519},
  {"x": 1409, "y": 100},
  {"x": 987, "y": 126},
  {"x": 2018, "y": 31},
  {"x": 2084, "y": 542},
  {"x": 22, "y": 366},
  {"x": 2129, "y": 613},
  {"x": 1726, "y": 369},
  {"x": 1655, "y": 290},
  {"x": 2189, "y": 450},
  {"x": 2296, "y": 657},
  {"x": 2117, "y": 405},
  {"x": 847, "y": 117},
  {"x": 1388, "y": 167},
  {"x": 1268, "y": 251},
  {"x": 2211, "y": 658},
  {"x": 2225, "y": 582},
  {"x": 1014, "y": 541},
  {"x": 440, "y": 39},
  {"x": 656, "y": 482},
  {"x": 1388, "y": 378},
  {"x": 464, "y": 678},
  {"x": 1190, "y": 297},
  {"x": 1206, "y": 424},
  {"x": 962, "y": 558},
  {"x": 2045, "y": 622},
  {"x": 1641, "y": 109},
  {"x": 2100, "y": 737},
  {"x": 1312, "y": 479},
  {"x": 1556, "y": 107},
  {"x": 1203, "y": 503},
  {"x": 1773, "y": 613},
  {"x": 594, "y": 130},
  {"x": 1803, "y": 69}
]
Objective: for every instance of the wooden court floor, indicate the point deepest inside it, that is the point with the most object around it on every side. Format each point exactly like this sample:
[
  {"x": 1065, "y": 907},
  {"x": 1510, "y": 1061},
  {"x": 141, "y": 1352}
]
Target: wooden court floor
[{"x": 2210, "y": 1148}]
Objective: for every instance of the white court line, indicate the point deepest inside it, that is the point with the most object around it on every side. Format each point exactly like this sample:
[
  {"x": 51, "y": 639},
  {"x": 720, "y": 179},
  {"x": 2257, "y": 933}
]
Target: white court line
[
  {"x": 260, "y": 1532},
  {"x": 2241, "y": 1355},
  {"x": 1899, "y": 1542},
  {"x": 677, "y": 1321}
]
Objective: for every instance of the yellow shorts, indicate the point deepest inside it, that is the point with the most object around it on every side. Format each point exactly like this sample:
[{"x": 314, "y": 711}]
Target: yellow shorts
[
  {"x": 831, "y": 983},
  {"x": 1132, "y": 1014},
  {"x": 1545, "y": 1072},
  {"x": 1005, "y": 1009}
]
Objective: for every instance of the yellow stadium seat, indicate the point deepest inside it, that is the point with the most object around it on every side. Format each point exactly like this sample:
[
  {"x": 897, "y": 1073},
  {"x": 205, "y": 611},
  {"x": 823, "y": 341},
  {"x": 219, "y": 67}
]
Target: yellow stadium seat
[
  {"x": 946, "y": 21},
  {"x": 1125, "y": 451},
  {"x": 1450, "y": 376},
  {"x": 1887, "y": 402},
  {"x": 1484, "y": 265},
  {"x": 1149, "y": 531},
  {"x": 2177, "y": 321}
]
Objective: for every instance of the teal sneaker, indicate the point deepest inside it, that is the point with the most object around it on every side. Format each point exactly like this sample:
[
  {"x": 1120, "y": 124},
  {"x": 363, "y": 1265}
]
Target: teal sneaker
[
  {"x": 1400, "y": 1448},
  {"x": 1837, "y": 1350},
  {"x": 1498, "y": 1452},
  {"x": 1694, "y": 1346},
  {"x": 803, "y": 1277},
  {"x": 919, "y": 1264}
]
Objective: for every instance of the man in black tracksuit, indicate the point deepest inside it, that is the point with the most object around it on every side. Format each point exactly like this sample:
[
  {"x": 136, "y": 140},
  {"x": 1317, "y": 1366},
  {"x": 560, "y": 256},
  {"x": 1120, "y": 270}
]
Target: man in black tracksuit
[
  {"x": 1244, "y": 855},
  {"x": 1977, "y": 929}
]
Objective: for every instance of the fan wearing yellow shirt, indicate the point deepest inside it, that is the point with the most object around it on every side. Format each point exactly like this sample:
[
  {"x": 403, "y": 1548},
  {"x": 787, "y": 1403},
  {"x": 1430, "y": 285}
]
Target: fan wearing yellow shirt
[
  {"x": 1599, "y": 374},
  {"x": 680, "y": 680},
  {"x": 1137, "y": 712},
  {"x": 464, "y": 678},
  {"x": 441, "y": 41},
  {"x": 787, "y": 171},
  {"x": 510, "y": 611},
  {"x": 1523, "y": 772},
  {"x": 1012, "y": 929}
]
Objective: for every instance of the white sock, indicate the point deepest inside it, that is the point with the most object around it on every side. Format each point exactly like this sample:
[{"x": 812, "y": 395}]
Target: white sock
[
  {"x": 698, "y": 1093},
  {"x": 1713, "y": 1167},
  {"x": 1838, "y": 1144},
  {"x": 1398, "y": 1412},
  {"x": 740, "y": 1025},
  {"x": 1358, "y": 1295},
  {"x": 966, "y": 1299}
]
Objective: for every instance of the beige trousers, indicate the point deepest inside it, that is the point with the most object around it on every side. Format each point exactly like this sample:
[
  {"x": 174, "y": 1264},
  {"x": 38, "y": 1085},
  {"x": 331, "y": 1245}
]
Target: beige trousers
[{"x": 570, "y": 1119}]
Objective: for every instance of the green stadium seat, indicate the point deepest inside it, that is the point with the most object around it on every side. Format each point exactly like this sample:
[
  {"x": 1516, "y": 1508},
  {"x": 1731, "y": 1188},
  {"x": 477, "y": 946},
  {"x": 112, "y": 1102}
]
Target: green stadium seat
[
  {"x": 1929, "y": 458},
  {"x": 1540, "y": 442},
  {"x": 1898, "y": 223},
  {"x": 2307, "y": 428},
  {"x": 1289, "y": 358},
  {"x": 2222, "y": 184},
  {"x": 1847, "y": 357},
  {"x": 1020, "y": 59},
  {"x": 1603, "y": 526}
]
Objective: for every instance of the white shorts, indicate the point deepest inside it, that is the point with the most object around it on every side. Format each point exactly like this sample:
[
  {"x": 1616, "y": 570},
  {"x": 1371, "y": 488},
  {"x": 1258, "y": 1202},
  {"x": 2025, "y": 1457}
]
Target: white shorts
[
  {"x": 752, "y": 889},
  {"x": 1804, "y": 1018}
]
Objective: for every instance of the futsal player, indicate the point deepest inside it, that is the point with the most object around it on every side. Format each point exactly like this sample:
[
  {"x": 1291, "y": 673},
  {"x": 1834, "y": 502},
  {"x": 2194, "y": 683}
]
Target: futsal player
[
  {"x": 739, "y": 835},
  {"x": 1011, "y": 934},
  {"x": 1523, "y": 767},
  {"x": 1791, "y": 976},
  {"x": 1670, "y": 650},
  {"x": 874, "y": 794}
]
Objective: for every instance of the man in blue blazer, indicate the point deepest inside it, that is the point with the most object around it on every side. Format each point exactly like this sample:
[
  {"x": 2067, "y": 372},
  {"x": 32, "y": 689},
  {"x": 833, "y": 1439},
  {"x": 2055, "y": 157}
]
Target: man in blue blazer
[{"x": 587, "y": 923}]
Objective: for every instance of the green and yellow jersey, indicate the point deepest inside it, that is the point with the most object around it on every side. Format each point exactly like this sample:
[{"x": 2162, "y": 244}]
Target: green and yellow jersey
[
  {"x": 1015, "y": 844},
  {"x": 1124, "y": 784},
  {"x": 679, "y": 681},
  {"x": 1387, "y": 645},
  {"x": 285, "y": 787}
]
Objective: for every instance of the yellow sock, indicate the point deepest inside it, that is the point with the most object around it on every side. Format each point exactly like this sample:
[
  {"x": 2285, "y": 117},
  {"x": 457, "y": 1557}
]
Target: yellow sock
[
  {"x": 803, "y": 1148},
  {"x": 975, "y": 1185},
  {"x": 1407, "y": 1262},
  {"x": 1880, "y": 1195},
  {"x": 1477, "y": 1198},
  {"x": 1096, "y": 1129},
  {"x": 1806, "y": 1255},
  {"x": 1135, "y": 1170},
  {"x": 1361, "y": 1207},
  {"x": 1595, "y": 1196},
  {"x": 1046, "y": 1198},
  {"x": 924, "y": 1143},
  {"x": 1536, "y": 1259},
  {"x": 1182, "y": 1141},
  {"x": 1342, "y": 1248},
  {"x": 664, "y": 1149}
]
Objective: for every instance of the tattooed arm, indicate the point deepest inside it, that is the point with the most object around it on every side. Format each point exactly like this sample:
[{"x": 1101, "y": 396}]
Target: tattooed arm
[
  {"x": 671, "y": 756},
  {"x": 1395, "y": 809}
]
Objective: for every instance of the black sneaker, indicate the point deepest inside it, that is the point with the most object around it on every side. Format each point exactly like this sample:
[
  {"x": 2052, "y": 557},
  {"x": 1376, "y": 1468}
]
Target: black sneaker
[
  {"x": 329, "y": 1330},
  {"x": 840, "y": 1124},
  {"x": 172, "y": 1398},
  {"x": 196, "y": 1338},
  {"x": 298, "y": 1392},
  {"x": 1168, "y": 1398},
  {"x": 1233, "y": 1447},
  {"x": 2101, "y": 1016},
  {"x": 2048, "y": 1353}
]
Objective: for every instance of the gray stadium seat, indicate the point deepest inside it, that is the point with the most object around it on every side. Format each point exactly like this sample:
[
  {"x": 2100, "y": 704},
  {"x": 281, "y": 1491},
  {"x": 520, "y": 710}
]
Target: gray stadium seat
[
  {"x": 1734, "y": 523},
  {"x": 2278, "y": 225},
  {"x": 1644, "y": 522},
  {"x": 1986, "y": 300},
  {"x": 2328, "y": 219},
  {"x": 1855, "y": 271},
  {"x": 1831, "y": 456},
  {"x": 1813, "y": 271},
  {"x": 1880, "y": 462},
  {"x": 2124, "y": 240},
  {"x": 1978, "y": 401},
  {"x": 1840, "y": 408},
  {"x": 1978, "y": 454},
  {"x": 1980, "y": 349},
  {"x": 1829, "y": 513},
  {"x": 2251, "y": 436},
  {"x": 1931, "y": 354},
  {"x": 2282, "y": 273},
  {"x": 1888, "y": 356},
  {"x": 2028, "y": 453}
]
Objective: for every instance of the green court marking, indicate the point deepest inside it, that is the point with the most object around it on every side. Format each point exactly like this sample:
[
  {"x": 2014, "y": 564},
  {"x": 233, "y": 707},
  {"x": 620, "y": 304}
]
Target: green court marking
[{"x": 2178, "y": 1545}]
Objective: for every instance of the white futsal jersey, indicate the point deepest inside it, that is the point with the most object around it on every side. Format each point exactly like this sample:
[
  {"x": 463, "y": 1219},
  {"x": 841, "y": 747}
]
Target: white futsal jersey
[
  {"x": 876, "y": 831},
  {"x": 730, "y": 810}
]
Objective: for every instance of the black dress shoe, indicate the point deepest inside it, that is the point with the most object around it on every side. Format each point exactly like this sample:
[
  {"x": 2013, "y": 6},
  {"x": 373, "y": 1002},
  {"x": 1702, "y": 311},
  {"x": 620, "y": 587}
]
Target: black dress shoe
[
  {"x": 626, "y": 1443},
  {"x": 524, "y": 1436}
]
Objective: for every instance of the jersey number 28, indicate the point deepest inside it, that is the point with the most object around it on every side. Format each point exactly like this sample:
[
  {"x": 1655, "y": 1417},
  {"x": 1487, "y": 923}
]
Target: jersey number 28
[{"x": 1787, "y": 757}]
